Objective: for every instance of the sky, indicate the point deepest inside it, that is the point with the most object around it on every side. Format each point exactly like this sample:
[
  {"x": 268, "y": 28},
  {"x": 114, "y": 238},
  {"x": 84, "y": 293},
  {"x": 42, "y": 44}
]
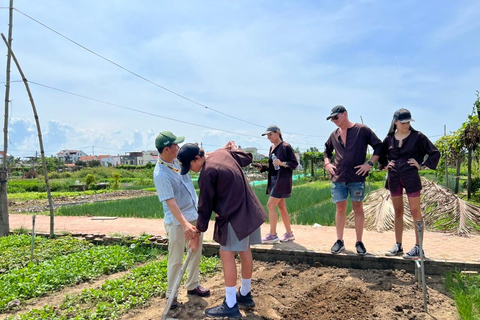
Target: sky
[{"x": 107, "y": 76}]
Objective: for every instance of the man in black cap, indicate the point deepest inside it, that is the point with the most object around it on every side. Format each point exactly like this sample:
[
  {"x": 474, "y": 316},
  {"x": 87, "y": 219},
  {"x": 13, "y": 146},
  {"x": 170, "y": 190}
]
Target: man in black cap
[
  {"x": 350, "y": 142},
  {"x": 224, "y": 189},
  {"x": 179, "y": 200}
]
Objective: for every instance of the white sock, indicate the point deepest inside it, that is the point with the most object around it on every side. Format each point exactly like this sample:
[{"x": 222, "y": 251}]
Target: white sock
[
  {"x": 231, "y": 296},
  {"x": 246, "y": 286}
]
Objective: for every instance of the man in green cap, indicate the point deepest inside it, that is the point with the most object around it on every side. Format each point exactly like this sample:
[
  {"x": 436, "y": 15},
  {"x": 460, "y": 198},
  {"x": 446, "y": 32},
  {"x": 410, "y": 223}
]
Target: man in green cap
[{"x": 180, "y": 202}]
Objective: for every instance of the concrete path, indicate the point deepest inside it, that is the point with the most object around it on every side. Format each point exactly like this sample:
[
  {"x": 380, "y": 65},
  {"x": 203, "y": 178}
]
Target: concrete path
[{"x": 438, "y": 246}]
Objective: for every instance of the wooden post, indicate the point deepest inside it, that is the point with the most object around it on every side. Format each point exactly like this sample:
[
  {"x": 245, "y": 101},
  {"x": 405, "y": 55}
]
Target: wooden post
[
  {"x": 40, "y": 140},
  {"x": 446, "y": 157},
  {"x": 4, "y": 221}
]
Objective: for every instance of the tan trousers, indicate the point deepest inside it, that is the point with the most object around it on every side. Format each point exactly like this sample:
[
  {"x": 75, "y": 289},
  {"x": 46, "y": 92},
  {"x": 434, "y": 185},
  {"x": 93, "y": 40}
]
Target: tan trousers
[{"x": 176, "y": 249}]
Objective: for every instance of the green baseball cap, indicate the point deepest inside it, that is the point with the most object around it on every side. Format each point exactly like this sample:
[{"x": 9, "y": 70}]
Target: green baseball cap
[{"x": 166, "y": 139}]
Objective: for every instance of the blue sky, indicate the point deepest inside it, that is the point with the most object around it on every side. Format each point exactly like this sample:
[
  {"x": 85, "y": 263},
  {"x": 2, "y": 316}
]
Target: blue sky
[{"x": 243, "y": 65}]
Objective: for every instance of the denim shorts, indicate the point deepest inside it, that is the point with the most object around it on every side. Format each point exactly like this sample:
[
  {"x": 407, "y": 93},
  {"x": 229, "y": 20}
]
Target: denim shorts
[{"x": 340, "y": 191}]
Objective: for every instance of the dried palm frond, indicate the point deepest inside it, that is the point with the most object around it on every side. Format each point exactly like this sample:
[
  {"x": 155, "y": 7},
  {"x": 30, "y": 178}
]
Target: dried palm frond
[{"x": 442, "y": 210}]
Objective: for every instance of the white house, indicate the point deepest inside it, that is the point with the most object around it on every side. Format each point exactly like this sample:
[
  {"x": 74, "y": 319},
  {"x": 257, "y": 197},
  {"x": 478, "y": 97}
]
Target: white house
[
  {"x": 109, "y": 161},
  {"x": 70, "y": 156}
]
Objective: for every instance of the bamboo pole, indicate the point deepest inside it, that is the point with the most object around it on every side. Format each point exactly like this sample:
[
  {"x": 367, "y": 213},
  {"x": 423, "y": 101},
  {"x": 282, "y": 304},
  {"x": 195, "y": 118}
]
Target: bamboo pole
[
  {"x": 4, "y": 220},
  {"x": 40, "y": 140}
]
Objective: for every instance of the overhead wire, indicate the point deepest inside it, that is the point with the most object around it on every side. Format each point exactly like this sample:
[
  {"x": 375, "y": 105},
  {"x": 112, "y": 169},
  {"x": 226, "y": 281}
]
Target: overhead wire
[{"x": 148, "y": 80}]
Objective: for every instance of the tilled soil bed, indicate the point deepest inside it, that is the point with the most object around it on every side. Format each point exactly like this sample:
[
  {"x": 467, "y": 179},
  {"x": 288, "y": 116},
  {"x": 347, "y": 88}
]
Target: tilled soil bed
[{"x": 283, "y": 291}]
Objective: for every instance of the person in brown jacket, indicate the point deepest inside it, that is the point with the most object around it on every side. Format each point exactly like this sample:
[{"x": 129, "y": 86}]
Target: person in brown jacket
[
  {"x": 281, "y": 163},
  {"x": 403, "y": 155},
  {"x": 225, "y": 190}
]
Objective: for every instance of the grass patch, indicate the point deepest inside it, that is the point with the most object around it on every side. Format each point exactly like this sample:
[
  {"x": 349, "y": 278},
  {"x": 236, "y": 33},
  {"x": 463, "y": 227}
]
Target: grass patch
[
  {"x": 310, "y": 203},
  {"x": 143, "y": 207},
  {"x": 466, "y": 292}
]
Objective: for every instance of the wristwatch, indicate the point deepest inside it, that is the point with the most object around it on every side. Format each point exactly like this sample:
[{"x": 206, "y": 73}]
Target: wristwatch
[{"x": 370, "y": 163}]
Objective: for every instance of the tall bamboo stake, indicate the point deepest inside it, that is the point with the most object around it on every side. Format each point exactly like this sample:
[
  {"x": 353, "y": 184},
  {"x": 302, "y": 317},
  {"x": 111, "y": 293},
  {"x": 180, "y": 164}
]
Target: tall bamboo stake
[
  {"x": 40, "y": 140},
  {"x": 4, "y": 220}
]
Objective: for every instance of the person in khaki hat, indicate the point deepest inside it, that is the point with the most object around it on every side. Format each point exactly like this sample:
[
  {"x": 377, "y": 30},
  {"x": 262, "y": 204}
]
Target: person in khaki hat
[
  {"x": 179, "y": 200},
  {"x": 348, "y": 171}
]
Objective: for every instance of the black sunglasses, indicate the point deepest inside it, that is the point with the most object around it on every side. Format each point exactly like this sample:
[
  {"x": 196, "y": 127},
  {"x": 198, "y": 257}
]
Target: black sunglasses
[{"x": 335, "y": 117}]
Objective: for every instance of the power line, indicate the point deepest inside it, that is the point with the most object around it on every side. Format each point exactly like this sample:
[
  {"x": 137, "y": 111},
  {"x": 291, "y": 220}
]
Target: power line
[
  {"x": 139, "y": 111},
  {"x": 150, "y": 81},
  {"x": 147, "y": 113}
]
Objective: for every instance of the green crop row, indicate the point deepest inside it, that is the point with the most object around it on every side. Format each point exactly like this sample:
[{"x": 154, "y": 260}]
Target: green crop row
[
  {"x": 115, "y": 297},
  {"x": 307, "y": 205},
  {"x": 144, "y": 207},
  {"x": 37, "y": 279},
  {"x": 15, "y": 250},
  {"x": 466, "y": 292}
]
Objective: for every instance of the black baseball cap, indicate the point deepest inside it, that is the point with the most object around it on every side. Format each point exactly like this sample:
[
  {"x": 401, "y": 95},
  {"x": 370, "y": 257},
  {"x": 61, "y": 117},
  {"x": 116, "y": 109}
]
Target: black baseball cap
[
  {"x": 336, "y": 110},
  {"x": 186, "y": 154},
  {"x": 271, "y": 128},
  {"x": 402, "y": 115}
]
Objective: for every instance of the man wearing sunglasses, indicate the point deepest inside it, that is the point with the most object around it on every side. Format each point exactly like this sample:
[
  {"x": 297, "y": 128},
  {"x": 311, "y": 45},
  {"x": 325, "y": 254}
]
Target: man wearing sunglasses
[{"x": 348, "y": 171}]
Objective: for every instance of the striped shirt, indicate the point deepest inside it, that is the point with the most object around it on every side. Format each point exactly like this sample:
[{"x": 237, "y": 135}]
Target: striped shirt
[{"x": 170, "y": 184}]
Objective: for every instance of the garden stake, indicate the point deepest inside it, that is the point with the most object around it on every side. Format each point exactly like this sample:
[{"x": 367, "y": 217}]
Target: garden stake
[
  {"x": 33, "y": 238},
  {"x": 173, "y": 294},
  {"x": 419, "y": 224}
]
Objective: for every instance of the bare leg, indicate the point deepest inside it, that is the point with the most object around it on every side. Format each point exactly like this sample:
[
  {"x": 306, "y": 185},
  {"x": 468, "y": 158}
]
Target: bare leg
[
  {"x": 416, "y": 213},
  {"x": 229, "y": 267},
  {"x": 246, "y": 260},
  {"x": 399, "y": 210},
  {"x": 359, "y": 218},
  {"x": 282, "y": 206},
  {"x": 272, "y": 213},
  {"x": 340, "y": 218}
]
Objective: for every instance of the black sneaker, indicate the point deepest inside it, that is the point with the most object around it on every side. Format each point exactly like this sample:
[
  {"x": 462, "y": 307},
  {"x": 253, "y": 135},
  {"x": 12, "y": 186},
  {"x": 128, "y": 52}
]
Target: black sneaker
[
  {"x": 223, "y": 310},
  {"x": 245, "y": 301},
  {"x": 414, "y": 253},
  {"x": 338, "y": 247},
  {"x": 396, "y": 250},
  {"x": 360, "y": 248},
  {"x": 174, "y": 304}
]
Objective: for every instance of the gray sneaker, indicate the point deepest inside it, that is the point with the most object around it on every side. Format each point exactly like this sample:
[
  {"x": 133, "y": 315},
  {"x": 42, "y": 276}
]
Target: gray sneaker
[
  {"x": 395, "y": 251},
  {"x": 360, "y": 248},
  {"x": 338, "y": 247}
]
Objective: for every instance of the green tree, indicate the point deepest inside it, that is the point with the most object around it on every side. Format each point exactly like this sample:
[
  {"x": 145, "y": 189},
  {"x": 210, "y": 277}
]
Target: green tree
[
  {"x": 90, "y": 181},
  {"x": 116, "y": 180},
  {"x": 312, "y": 158},
  {"x": 470, "y": 137},
  {"x": 452, "y": 149}
]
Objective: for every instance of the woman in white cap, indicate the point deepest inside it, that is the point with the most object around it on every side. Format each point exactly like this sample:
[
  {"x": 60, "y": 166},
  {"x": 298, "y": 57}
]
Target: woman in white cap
[
  {"x": 281, "y": 163},
  {"x": 403, "y": 155}
]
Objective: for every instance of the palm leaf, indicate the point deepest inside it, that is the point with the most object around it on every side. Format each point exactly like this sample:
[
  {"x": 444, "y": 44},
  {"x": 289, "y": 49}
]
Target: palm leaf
[{"x": 442, "y": 211}]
